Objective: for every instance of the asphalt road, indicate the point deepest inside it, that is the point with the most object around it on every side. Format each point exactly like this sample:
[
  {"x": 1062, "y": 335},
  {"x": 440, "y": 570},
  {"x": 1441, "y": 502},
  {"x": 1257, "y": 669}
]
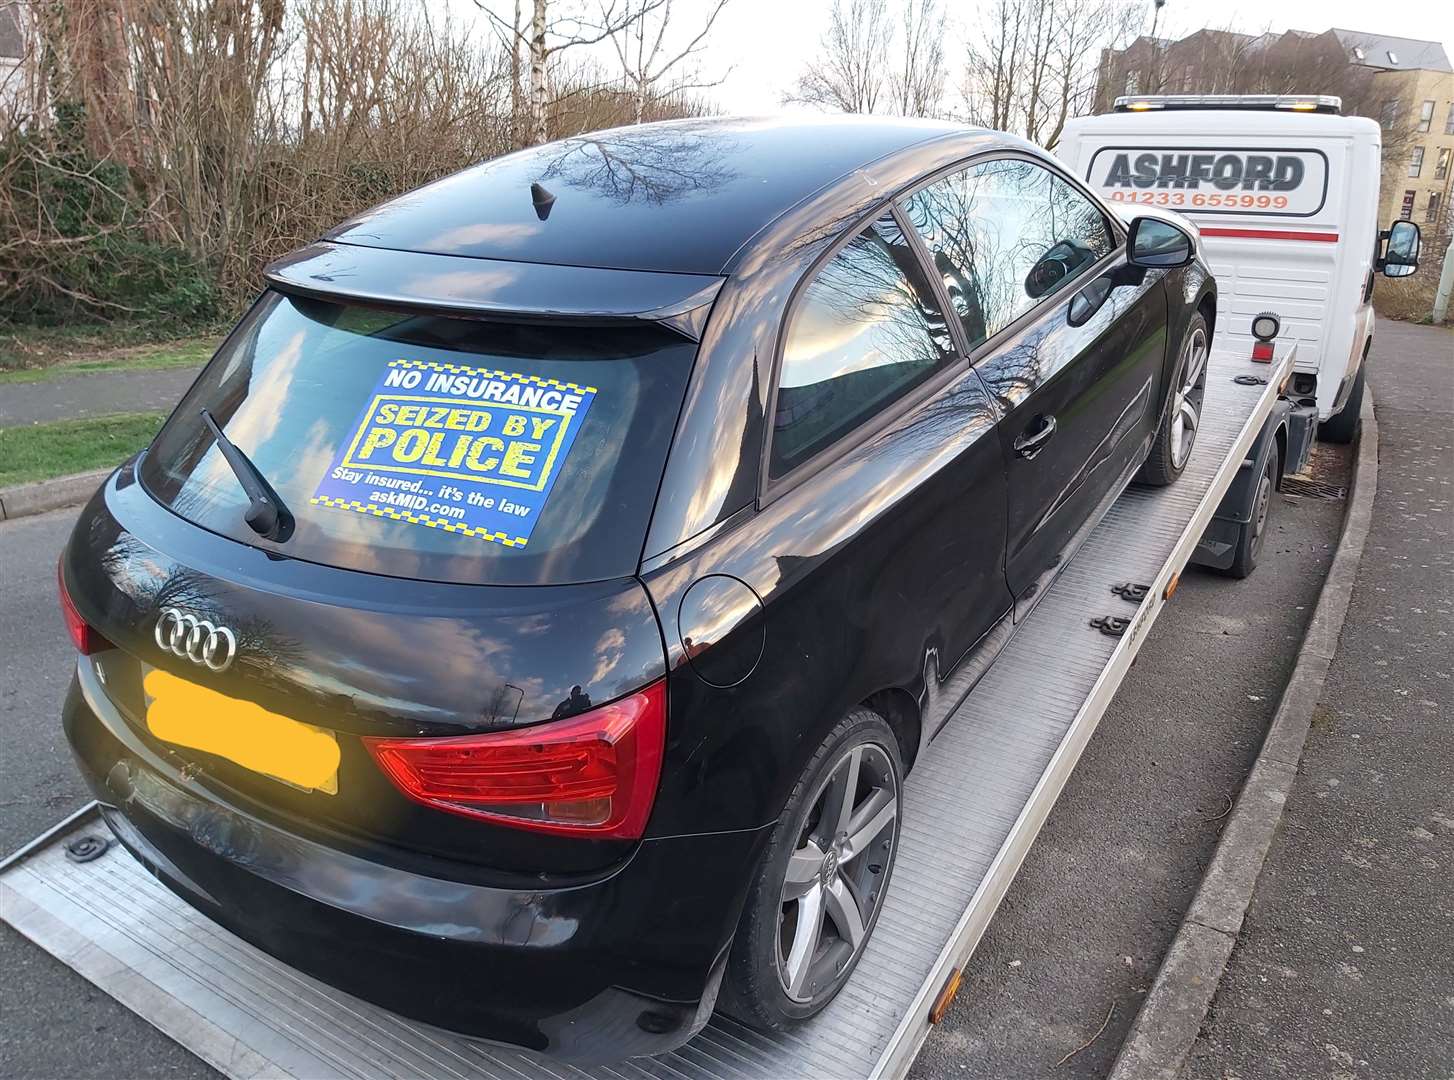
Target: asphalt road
[
  {"x": 55, "y": 1023},
  {"x": 1345, "y": 964},
  {"x": 1084, "y": 926},
  {"x": 68, "y": 397},
  {"x": 1082, "y": 929}
]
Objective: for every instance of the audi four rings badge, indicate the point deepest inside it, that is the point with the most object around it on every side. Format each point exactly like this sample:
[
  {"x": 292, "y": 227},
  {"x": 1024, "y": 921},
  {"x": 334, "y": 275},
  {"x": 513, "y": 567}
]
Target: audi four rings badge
[{"x": 197, "y": 640}]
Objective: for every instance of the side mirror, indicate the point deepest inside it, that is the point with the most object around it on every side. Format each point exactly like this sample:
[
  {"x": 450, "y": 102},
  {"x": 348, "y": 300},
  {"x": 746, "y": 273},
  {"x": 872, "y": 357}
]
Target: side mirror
[
  {"x": 1060, "y": 262},
  {"x": 1158, "y": 245},
  {"x": 1401, "y": 250}
]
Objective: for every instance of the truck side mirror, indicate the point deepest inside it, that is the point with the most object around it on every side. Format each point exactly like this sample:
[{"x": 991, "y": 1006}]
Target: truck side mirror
[
  {"x": 1401, "y": 250},
  {"x": 1158, "y": 245}
]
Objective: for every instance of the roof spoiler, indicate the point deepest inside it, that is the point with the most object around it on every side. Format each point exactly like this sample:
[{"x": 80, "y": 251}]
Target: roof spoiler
[{"x": 495, "y": 289}]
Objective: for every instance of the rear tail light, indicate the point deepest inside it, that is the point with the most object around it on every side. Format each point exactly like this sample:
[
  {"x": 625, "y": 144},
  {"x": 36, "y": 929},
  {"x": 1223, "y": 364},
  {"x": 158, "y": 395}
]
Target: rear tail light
[
  {"x": 591, "y": 775},
  {"x": 83, "y": 635}
]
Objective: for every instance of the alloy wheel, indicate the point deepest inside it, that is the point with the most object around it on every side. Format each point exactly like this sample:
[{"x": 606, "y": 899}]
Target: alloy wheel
[
  {"x": 1188, "y": 400},
  {"x": 837, "y": 874}
]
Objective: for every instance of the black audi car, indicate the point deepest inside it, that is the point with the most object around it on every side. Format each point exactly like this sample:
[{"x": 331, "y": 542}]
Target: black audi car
[{"x": 530, "y": 615}]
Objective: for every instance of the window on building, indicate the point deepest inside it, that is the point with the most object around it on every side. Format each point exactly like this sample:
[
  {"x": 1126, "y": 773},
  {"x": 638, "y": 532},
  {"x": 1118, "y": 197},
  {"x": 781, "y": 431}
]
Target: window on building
[
  {"x": 1449, "y": 120},
  {"x": 1407, "y": 210},
  {"x": 1432, "y": 214},
  {"x": 1392, "y": 57},
  {"x": 1358, "y": 53},
  {"x": 1441, "y": 164},
  {"x": 1133, "y": 83},
  {"x": 1416, "y": 161},
  {"x": 1426, "y": 115},
  {"x": 1390, "y": 112}
]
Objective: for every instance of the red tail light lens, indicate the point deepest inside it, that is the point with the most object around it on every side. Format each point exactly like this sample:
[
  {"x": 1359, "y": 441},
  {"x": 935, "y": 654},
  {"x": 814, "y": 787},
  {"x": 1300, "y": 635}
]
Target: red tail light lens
[
  {"x": 83, "y": 634},
  {"x": 591, "y": 775}
]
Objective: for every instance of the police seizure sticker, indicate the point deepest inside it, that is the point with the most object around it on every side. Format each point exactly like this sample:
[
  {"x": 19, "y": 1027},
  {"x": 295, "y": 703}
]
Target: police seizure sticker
[{"x": 463, "y": 449}]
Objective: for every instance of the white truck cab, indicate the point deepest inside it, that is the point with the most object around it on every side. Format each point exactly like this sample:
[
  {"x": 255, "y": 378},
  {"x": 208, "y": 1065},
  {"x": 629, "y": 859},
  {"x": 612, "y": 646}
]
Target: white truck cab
[{"x": 1284, "y": 190}]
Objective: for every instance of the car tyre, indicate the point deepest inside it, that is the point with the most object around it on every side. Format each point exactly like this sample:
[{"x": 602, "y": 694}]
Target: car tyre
[
  {"x": 1177, "y": 432},
  {"x": 817, "y": 893},
  {"x": 1343, "y": 427},
  {"x": 1253, "y": 533}
]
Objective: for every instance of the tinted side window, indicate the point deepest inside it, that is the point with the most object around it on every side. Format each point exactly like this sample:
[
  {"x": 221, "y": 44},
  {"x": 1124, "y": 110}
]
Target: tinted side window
[
  {"x": 864, "y": 332},
  {"x": 1004, "y": 234}
]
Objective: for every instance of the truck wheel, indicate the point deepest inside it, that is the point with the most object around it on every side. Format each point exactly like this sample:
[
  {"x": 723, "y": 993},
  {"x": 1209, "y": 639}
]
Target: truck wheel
[
  {"x": 1177, "y": 431},
  {"x": 817, "y": 893},
  {"x": 1253, "y": 533},
  {"x": 1344, "y": 426}
]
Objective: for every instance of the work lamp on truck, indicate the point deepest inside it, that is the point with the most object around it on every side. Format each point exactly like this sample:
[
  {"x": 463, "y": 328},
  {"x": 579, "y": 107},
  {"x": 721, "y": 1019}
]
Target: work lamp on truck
[{"x": 1265, "y": 327}]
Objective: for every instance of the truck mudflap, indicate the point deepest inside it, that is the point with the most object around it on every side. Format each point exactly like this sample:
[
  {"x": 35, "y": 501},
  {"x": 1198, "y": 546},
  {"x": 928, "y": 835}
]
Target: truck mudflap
[{"x": 1218, "y": 545}]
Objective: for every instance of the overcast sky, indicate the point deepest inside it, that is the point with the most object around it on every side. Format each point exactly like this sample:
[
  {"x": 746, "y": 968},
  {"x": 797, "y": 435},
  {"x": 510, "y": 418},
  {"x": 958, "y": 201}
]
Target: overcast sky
[{"x": 762, "y": 45}]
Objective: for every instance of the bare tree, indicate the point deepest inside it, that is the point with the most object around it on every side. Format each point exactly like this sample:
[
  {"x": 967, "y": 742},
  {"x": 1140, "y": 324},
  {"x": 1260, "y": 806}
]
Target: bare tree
[
  {"x": 850, "y": 70},
  {"x": 551, "y": 32},
  {"x": 642, "y": 166},
  {"x": 1223, "y": 61},
  {"x": 163, "y": 150},
  {"x": 645, "y": 56},
  {"x": 513, "y": 44},
  {"x": 917, "y": 88},
  {"x": 1297, "y": 64},
  {"x": 1032, "y": 63}
]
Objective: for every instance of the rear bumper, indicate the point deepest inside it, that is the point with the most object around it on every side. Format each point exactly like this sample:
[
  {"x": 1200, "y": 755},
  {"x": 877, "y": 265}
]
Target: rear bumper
[{"x": 620, "y": 967}]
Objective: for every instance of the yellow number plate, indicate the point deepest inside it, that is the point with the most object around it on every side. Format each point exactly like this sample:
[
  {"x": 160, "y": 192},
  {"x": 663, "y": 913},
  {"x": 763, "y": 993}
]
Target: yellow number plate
[{"x": 185, "y": 714}]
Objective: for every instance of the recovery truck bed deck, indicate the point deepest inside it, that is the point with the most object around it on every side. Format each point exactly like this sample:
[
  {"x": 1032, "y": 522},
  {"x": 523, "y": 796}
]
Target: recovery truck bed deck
[{"x": 973, "y": 805}]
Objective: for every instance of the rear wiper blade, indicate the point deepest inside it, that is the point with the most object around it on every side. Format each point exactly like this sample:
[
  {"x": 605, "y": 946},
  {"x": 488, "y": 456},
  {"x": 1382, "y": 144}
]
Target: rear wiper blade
[{"x": 267, "y": 514}]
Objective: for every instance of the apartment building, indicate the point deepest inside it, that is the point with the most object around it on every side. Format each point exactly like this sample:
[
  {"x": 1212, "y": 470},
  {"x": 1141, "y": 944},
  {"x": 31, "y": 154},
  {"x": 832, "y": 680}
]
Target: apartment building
[
  {"x": 1417, "y": 185},
  {"x": 1407, "y": 84}
]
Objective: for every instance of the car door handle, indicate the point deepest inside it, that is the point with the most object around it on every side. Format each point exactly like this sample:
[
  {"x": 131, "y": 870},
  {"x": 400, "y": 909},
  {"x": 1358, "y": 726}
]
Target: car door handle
[
  {"x": 1089, "y": 300},
  {"x": 1035, "y": 437}
]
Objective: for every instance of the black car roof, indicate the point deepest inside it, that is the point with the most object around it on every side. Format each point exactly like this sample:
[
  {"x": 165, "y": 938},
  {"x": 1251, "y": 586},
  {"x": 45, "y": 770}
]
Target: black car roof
[{"x": 678, "y": 197}]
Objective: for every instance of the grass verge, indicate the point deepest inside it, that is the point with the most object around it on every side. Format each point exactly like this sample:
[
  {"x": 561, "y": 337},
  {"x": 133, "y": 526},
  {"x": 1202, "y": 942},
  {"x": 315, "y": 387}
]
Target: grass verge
[
  {"x": 192, "y": 352},
  {"x": 44, "y": 451}
]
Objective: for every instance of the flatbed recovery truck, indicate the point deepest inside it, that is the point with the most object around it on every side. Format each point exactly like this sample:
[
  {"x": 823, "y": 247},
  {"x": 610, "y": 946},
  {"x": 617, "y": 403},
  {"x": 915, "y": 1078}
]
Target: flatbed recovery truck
[{"x": 973, "y": 807}]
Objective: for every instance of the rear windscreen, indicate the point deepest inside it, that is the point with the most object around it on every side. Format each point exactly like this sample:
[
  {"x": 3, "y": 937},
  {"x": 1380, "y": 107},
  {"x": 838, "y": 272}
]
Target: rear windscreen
[{"x": 428, "y": 447}]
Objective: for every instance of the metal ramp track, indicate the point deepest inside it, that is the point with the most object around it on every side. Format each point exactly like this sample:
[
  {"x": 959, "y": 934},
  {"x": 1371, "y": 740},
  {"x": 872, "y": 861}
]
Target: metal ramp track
[{"x": 973, "y": 806}]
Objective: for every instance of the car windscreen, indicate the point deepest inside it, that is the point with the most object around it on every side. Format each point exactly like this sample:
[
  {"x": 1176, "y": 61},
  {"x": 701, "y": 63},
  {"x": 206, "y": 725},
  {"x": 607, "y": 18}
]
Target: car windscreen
[{"x": 431, "y": 447}]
